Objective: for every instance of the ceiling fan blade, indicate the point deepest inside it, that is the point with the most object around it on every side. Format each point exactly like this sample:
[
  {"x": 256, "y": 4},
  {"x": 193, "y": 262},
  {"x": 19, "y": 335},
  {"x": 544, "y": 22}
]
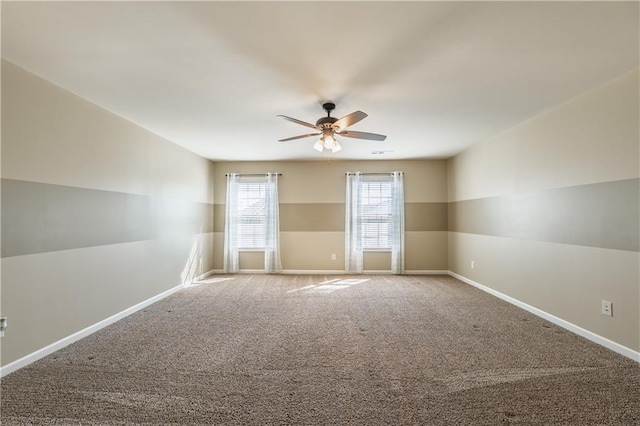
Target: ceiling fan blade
[
  {"x": 304, "y": 123},
  {"x": 349, "y": 120},
  {"x": 362, "y": 135},
  {"x": 299, "y": 137}
]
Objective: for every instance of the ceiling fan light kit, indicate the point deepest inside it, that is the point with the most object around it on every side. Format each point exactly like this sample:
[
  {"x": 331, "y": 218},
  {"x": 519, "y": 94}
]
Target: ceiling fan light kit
[
  {"x": 328, "y": 142},
  {"x": 329, "y": 127}
]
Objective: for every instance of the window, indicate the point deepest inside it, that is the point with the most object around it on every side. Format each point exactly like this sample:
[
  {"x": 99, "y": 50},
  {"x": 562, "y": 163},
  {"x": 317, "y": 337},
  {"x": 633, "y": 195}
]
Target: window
[
  {"x": 251, "y": 215},
  {"x": 376, "y": 211},
  {"x": 374, "y": 218},
  {"x": 252, "y": 220}
]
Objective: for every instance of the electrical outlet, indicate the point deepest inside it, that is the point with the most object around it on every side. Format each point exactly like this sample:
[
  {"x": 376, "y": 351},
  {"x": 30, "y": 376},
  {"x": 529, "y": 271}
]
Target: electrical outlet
[
  {"x": 473, "y": 264},
  {"x": 333, "y": 256},
  {"x": 607, "y": 308}
]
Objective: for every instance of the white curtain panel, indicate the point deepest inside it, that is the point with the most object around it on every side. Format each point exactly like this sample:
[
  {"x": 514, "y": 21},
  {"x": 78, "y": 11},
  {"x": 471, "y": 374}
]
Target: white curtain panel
[
  {"x": 353, "y": 225},
  {"x": 230, "y": 225},
  {"x": 272, "y": 262},
  {"x": 397, "y": 224}
]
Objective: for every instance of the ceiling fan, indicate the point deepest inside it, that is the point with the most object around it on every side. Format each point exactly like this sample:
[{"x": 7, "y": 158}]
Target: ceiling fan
[{"x": 329, "y": 127}]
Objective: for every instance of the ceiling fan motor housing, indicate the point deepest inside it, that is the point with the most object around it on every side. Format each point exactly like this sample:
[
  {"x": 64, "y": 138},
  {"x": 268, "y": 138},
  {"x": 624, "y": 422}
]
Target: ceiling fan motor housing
[{"x": 326, "y": 122}]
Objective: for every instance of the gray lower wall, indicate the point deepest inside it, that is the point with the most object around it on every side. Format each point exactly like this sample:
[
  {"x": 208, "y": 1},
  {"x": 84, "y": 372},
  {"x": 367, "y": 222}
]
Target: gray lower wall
[
  {"x": 601, "y": 215},
  {"x": 39, "y": 217},
  {"x": 330, "y": 217}
]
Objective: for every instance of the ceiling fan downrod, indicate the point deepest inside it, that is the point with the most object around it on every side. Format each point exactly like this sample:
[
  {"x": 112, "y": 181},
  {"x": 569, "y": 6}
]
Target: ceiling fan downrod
[
  {"x": 329, "y": 106},
  {"x": 326, "y": 122}
]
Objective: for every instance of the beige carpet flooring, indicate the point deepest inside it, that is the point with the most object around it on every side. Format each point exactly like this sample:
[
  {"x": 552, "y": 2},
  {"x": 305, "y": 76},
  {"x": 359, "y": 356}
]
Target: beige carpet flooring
[{"x": 260, "y": 349}]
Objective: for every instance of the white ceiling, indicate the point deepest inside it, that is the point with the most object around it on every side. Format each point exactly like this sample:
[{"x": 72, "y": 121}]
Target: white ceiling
[{"x": 436, "y": 77}]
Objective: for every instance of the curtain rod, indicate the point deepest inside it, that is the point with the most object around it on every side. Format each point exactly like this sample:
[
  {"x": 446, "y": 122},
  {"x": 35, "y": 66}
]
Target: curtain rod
[
  {"x": 366, "y": 174},
  {"x": 253, "y": 174}
]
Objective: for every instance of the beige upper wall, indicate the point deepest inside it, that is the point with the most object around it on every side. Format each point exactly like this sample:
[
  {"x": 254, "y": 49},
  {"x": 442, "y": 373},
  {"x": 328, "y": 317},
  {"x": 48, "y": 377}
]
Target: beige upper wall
[
  {"x": 324, "y": 182},
  {"x": 565, "y": 146},
  {"x": 67, "y": 140}
]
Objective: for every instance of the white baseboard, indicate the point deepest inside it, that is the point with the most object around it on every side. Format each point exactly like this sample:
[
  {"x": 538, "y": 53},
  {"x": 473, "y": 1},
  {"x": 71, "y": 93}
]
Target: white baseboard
[
  {"x": 408, "y": 272},
  {"x": 603, "y": 341},
  {"x": 203, "y": 276},
  {"x": 200, "y": 277},
  {"x": 49, "y": 349},
  {"x": 285, "y": 271},
  {"x": 427, "y": 272},
  {"x": 289, "y": 271},
  {"x": 241, "y": 271},
  {"x": 333, "y": 272}
]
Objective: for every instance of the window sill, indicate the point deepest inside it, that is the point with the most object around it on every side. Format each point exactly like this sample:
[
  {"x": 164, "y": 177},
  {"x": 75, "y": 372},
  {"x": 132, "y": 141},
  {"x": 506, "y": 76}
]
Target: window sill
[
  {"x": 374, "y": 250},
  {"x": 250, "y": 249}
]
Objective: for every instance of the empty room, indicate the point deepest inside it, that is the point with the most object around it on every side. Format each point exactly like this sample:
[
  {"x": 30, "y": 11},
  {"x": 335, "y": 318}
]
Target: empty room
[{"x": 320, "y": 213}]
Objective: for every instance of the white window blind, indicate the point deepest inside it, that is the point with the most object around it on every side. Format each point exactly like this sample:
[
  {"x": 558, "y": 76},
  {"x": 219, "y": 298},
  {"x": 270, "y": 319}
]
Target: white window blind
[
  {"x": 251, "y": 215},
  {"x": 376, "y": 214}
]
